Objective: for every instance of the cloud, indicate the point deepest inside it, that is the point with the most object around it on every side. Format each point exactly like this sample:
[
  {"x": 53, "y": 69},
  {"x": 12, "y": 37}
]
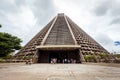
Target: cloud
[
  {"x": 117, "y": 43},
  {"x": 115, "y": 9},
  {"x": 107, "y": 42},
  {"x": 43, "y": 10},
  {"x": 104, "y": 39},
  {"x": 99, "y": 18},
  {"x": 24, "y": 18},
  {"x": 115, "y": 21},
  {"x": 102, "y": 8},
  {"x": 109, "y": 8},
  {"x": 107, "y": 19},
  {"x": 8, "y": 6}
]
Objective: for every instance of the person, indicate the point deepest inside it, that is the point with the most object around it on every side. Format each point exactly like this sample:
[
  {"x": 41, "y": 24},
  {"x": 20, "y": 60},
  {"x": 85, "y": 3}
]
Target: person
[
  {"x": 69, "y": 61},
  {"x": 30, "y": 61},
  {"x": 26, "y": 61},
  {"x": 74, "y": 61},
  {"x": 65, "y": 60},
  {"x": 54, "y": 61},
  {"x": 51, "y": 61}
]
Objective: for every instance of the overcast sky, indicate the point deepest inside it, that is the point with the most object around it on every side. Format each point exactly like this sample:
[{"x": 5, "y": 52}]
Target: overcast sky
[{"x": 99, "y": 18}]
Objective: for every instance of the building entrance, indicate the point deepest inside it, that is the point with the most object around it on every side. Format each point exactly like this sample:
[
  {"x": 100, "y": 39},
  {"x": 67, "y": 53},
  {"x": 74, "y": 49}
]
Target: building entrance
[{"x": 61, "y": 56}]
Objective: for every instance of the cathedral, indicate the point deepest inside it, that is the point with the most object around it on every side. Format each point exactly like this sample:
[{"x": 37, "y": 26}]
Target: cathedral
[{"x": 61, "y": 39}]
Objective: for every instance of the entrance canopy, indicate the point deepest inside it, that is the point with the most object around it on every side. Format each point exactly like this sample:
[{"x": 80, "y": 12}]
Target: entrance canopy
[{"x": 58, "y": 47}]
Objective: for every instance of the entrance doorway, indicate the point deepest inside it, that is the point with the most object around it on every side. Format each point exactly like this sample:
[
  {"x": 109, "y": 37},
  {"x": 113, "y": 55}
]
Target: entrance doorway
[{"x": 45, "y": 56}]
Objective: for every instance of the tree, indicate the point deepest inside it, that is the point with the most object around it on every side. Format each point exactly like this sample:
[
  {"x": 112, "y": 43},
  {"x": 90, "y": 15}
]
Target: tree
[
  {"x": 90, "y": 58},
  {"x": 104, "y": 55},
  {"x": 117, "y": 55},
  {"x": 0, "y": 25},
  {"x": 8, "y": 44}
]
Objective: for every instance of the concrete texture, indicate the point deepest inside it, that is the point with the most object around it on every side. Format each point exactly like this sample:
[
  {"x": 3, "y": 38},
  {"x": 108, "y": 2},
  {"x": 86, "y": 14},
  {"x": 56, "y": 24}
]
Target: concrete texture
[{"x": 58, "y": 72}]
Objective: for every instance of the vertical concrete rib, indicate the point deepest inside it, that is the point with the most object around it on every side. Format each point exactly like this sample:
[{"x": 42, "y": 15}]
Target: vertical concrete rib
[
  {"x": 44, "y": 39},
  {"x": 70, "y": 30}
]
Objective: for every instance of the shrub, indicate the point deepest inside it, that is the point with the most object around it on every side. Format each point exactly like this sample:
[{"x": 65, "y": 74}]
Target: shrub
[
  {"x": 90, "y": 58},
  {"x": 2, "y": 60},
  {"x": 104, "y": 55},
  {"x": 117, "y": 55}
]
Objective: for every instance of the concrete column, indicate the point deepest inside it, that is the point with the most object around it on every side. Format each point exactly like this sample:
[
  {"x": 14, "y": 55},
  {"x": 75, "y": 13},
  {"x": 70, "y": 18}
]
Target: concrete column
[
  {"x": 81, "y": 57},
  {"x": 36, "y": 56}
]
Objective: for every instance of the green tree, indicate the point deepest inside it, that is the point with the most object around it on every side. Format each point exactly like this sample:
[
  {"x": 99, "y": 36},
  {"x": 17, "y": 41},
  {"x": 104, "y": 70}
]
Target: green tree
[
  {"x": 0, "y": 25},
  {"x": 117, "y": 55},
  {"x": 8, "y": 44},
  {"x": 104, "y": 55},
  {"x": 90, "y": 58}
]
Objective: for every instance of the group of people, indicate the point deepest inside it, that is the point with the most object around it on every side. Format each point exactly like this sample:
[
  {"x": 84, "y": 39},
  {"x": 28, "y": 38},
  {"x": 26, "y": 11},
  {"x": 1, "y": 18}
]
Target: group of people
[
  {"x": 69, "y": 60},
  {"x": 54, "y": 61}
]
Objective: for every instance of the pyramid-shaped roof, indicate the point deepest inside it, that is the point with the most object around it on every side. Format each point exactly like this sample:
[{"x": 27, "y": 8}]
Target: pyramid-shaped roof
[{"x": 60, "y": 33}]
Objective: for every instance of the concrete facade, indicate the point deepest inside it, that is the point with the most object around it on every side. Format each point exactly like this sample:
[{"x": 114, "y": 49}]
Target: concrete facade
[{"x": 60, "y": 34}]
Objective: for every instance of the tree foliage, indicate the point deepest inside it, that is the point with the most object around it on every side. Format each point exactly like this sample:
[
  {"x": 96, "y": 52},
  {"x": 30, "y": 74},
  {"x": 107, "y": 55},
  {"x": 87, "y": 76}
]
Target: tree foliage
[
  {"x": 104, "y": 55},
  {"x": 0, "y": 25},
  {"x": 117, "y": 55},
  {"x": 8, "y": 44},
  {"x": 90, "y": 58}
]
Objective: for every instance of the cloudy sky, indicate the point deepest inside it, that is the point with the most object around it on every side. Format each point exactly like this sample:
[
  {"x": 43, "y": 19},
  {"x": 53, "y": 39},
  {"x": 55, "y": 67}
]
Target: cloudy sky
[{"x": 99, "y": 18}]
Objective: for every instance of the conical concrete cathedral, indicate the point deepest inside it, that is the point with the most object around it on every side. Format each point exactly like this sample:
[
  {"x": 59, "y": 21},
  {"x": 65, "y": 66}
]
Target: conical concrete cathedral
[{"x": 62, "y": 39}]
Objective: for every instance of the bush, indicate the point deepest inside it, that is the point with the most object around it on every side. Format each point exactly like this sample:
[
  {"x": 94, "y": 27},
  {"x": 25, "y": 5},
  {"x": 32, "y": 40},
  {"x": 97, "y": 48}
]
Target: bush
[
  {"x": 117, "y": 55},
  {"x": 117, "y": 61},
  {"x": 104, "y": 55},
  {"x": 90, "y": 58},
  {"x": 2, "y": 60}
]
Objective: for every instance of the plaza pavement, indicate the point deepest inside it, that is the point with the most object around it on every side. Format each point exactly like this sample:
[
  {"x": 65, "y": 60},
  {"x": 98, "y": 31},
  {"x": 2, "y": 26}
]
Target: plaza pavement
[{"x": 58, "y": 72}]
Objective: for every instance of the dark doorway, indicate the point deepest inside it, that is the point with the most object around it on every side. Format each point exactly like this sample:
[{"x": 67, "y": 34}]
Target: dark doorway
[{"x": 45, "y": 56}]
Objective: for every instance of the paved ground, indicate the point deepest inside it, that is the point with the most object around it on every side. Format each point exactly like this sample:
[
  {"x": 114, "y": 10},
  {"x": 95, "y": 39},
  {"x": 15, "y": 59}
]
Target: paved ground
[{"x": 58, "y": 72}]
